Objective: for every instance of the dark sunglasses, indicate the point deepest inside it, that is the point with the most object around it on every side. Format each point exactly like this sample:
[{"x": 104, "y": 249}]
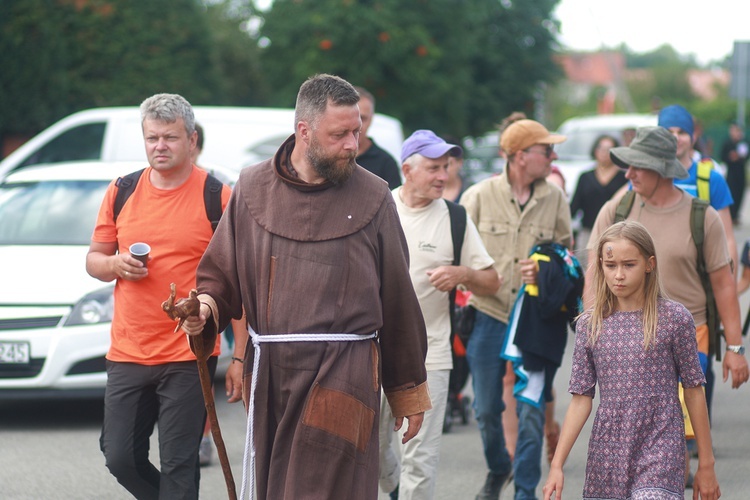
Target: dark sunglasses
[{"x": 548, "y": 149}]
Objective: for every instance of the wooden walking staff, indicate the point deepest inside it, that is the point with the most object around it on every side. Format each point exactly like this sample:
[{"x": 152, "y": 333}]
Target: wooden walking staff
[{"x": 202, "y": 346}]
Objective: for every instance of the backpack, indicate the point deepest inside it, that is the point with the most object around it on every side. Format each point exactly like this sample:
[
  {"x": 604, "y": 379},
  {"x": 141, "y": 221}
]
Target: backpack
[
  {"x": 211, "y": 195},
  {"x": 697, "y": 219},
  {"x": 462, "y": 317}
]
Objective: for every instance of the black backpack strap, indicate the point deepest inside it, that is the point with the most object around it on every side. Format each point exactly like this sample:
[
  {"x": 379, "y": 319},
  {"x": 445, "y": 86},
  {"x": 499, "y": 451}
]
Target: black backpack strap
[
  {"x": 697, "y": 231},
  {"x": 457, "y": 214},
  {"x": 212, "y": 199},
  {"x": 125, "y": 187},
  {"x": 624, "y": 207},
  {"x": 211, "y": 195}
]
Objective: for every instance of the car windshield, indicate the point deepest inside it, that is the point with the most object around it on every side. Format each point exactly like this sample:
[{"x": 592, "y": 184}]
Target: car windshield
[{"x": 49, "y": 212}]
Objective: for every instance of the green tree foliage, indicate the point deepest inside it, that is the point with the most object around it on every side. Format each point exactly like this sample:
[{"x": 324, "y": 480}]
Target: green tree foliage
[
  {"x": 455, "y": 66},
  {"x": 665, "y": 55},
  {"x": 236, "y": 55},
  {"x": 664, "y": 79},
  {"x": 60, "y": 56},
  {"x": 32, "y": 58},
  {"x": 653, "y": 79},
  {"x": 559, "y": 106}
]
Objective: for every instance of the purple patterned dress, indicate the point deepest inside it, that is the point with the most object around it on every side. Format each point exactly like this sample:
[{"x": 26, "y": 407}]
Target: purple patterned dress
[{"x": 637, "y": 445}]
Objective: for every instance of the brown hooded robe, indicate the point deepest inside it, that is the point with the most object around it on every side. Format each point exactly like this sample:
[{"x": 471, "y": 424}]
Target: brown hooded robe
[{"x": 304, "y": 258}]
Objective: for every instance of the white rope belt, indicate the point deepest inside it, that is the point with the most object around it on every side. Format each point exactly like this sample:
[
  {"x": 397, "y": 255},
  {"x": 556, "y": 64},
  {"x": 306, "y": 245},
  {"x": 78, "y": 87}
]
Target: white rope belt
[{"x": 250, "y": 434}]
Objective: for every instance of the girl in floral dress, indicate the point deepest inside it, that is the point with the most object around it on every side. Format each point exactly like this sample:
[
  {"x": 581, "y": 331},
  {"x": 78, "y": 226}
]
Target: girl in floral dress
[{"x": 635, "y": 344}]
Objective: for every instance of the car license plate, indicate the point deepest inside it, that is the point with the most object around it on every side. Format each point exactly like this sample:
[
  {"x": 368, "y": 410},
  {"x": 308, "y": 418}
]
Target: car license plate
[{"x": 14, "y": 352}]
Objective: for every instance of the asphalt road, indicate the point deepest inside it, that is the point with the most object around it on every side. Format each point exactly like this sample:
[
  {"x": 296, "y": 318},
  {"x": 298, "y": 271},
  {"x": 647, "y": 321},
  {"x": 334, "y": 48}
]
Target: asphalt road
[{"x": 50, "y": 450}]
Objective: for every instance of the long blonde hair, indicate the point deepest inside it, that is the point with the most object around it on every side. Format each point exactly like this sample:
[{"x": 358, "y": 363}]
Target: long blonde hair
[{"x": 605, "y": 301}]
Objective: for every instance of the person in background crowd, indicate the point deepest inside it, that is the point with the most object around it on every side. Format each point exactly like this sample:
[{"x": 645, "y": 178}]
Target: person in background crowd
[
  {"x": 152, "y": 375},
  {"x": 628, "y": 135},
  {"x": 702, "y": 146},
  {"x": 744, "y": 282},
  {"x": 557, "y": 178},
  {"x": 513, "y": 212},
  {"x": 555, "y": 175},
  {"x": 715, "y": 191},
  {"x": 734, "y": 154},
  {"x": 369, "y": 155},
  {"x": 454, "y": 184},
  {"x": 312, "y": 250},
  {"x": 236, "y": 335},
  {"x": 205, "y": 452},
  {"x": 433, "y": 270},
  {"x": 198, "y": 143},
  {"x": 595, "y": 187},
  {"x": 510, "y": 418},
  {"x": 680, "y": 123}
]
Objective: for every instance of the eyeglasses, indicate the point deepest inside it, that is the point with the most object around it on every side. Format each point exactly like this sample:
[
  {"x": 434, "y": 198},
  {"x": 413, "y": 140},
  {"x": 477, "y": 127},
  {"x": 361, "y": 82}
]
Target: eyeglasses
[{"x": 548, "y": 150}]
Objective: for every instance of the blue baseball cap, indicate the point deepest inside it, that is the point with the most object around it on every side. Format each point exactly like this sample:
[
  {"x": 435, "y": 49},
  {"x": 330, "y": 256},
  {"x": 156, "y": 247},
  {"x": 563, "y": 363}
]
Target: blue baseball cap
[
  {"x": 677, "y": 116},
  {"x": 429, "y": 145}
]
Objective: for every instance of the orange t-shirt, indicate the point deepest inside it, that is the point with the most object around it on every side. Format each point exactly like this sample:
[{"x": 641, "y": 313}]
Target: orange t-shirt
[{"x": 174, "y": 223}]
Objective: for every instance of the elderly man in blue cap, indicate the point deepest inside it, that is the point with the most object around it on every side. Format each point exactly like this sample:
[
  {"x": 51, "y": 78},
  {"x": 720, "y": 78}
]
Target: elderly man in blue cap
[{"x": 434, "y": 270}]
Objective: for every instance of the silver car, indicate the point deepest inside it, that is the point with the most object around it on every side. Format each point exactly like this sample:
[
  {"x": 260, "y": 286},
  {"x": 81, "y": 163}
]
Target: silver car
[{"x": 54, "y": 317}]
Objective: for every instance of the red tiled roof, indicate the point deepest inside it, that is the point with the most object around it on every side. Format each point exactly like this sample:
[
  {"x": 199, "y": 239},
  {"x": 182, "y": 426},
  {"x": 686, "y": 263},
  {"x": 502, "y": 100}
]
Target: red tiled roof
[{"x": 598, "y": 68}]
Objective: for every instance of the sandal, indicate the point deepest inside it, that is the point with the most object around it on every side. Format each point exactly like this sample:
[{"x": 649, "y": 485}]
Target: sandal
[{"x": 553, "y": 436}]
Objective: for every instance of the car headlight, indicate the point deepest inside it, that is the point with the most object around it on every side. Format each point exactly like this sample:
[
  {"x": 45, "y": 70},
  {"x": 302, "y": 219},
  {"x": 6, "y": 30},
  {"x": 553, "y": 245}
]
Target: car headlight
[{"x": 95, "y": 307}]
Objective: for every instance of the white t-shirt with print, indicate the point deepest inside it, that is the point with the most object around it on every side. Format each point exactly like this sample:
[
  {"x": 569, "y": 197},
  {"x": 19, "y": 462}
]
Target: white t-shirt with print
[{"x": 428, "y": 235}]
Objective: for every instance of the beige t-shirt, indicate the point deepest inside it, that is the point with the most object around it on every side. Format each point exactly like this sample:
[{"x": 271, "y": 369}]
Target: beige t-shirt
[
  {"x": 676, "y": 255},
  {"x": 428, "y": 235}
]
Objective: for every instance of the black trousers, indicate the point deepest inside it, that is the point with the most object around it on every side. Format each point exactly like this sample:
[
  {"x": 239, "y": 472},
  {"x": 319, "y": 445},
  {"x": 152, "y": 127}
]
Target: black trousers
[{"x": 136, "y": 399}]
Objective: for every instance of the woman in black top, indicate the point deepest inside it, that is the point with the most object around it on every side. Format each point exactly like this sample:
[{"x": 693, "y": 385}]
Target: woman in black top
[{"x": 595, "y": 187}]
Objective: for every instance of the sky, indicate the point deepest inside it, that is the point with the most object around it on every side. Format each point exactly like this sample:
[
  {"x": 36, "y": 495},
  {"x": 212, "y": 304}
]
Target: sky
[{"x": 706, "y": 29}]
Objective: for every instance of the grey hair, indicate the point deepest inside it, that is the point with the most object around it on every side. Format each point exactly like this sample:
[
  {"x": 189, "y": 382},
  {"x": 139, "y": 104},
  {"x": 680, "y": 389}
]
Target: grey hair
[
  {"x": 414, "y": 160},
  {"x": 169, "y": 108},
  {"x": 319, "y": 90}
]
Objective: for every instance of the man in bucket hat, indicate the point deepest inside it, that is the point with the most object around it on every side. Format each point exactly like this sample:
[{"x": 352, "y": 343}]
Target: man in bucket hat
[
  {"x": 665, "y": 210},
  {"x": 706, "y": 183},
  {"x": 514, "y": 212}
]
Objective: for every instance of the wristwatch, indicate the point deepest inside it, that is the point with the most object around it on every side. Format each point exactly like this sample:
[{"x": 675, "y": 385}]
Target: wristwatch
[{"x": 737, "y": 349}]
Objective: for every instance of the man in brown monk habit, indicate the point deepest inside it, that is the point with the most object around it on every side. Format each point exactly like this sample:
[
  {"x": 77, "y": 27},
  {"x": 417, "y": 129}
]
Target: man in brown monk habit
[{"x": 312, "y": 247}]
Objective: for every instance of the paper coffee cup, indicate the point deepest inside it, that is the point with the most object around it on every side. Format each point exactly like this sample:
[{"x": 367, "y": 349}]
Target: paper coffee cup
[{"x": 140, "y": 251}]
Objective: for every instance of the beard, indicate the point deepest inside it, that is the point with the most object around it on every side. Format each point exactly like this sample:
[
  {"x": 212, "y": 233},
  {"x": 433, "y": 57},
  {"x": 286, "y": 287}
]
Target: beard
[{"x": 333, "y": 169}]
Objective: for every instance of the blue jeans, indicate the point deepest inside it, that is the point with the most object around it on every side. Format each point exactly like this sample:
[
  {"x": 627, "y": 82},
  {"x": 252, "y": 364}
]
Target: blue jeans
[
  {"x": 487, "y": 371},
  {"x": 527, "y": 465}
]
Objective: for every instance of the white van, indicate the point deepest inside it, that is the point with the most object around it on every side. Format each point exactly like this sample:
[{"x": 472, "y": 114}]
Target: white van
[
  {"x": 234, "y": 137},
  {"x": 574, "y": 155}
]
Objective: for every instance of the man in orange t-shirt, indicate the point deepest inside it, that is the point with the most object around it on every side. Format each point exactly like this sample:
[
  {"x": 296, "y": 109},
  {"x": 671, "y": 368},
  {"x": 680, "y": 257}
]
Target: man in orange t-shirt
[{"x": 152, "y": 375}]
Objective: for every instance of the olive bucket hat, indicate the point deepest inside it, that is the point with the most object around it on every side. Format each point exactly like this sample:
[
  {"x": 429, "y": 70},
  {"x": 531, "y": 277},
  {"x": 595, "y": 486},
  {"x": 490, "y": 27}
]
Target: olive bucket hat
[{"x": 654, "y": 148}]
